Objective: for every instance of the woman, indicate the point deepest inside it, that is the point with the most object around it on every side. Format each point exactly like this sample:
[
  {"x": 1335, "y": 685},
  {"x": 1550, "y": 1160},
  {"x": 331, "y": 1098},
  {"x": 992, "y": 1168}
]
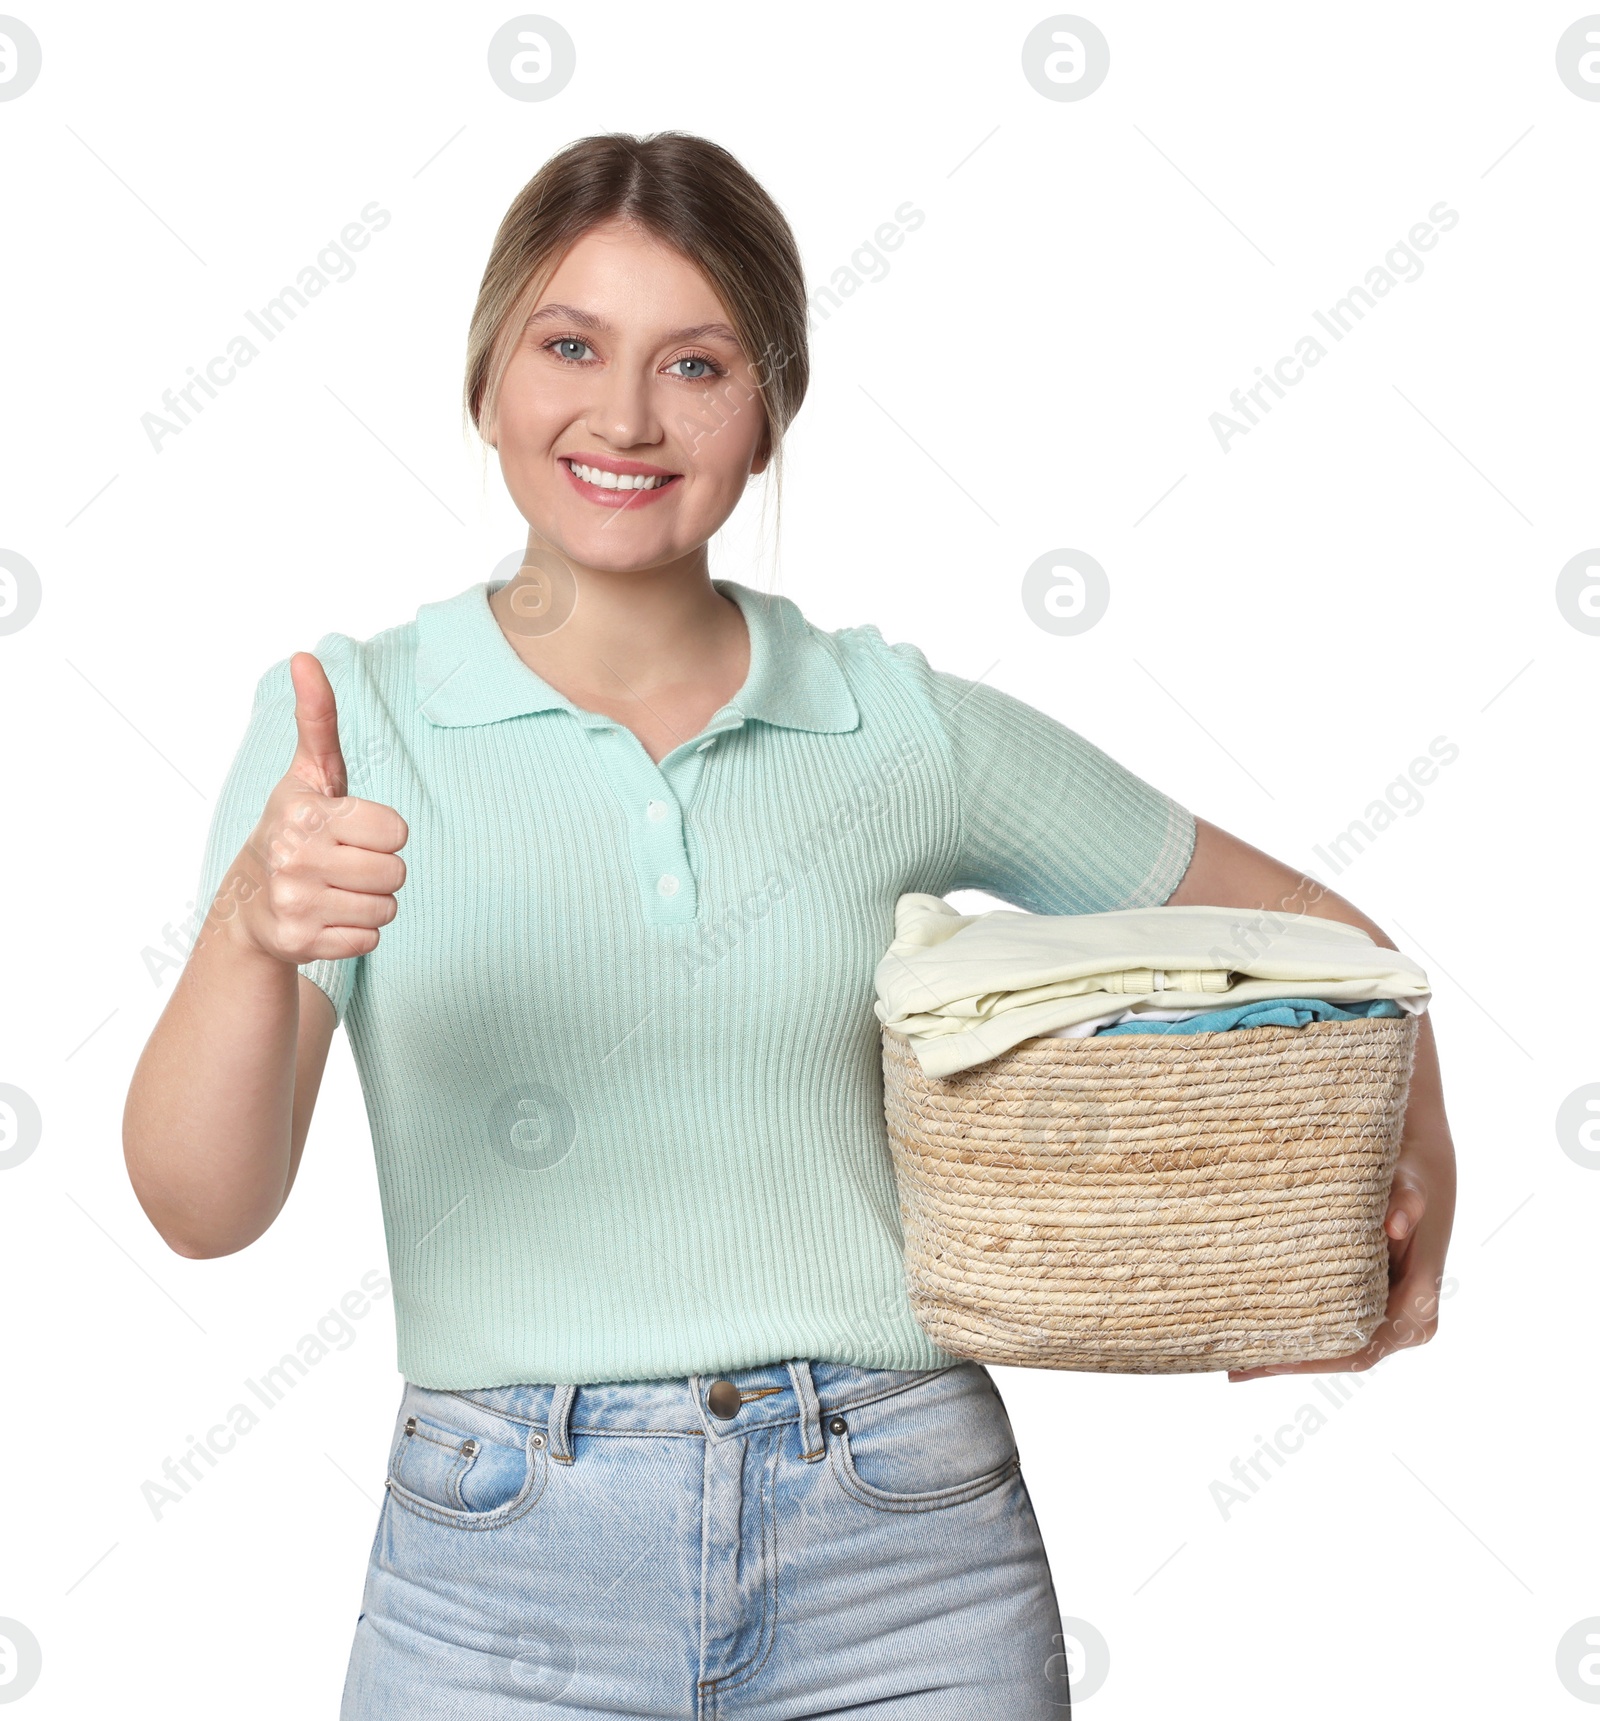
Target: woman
[{"x": 670, "y": 1441}]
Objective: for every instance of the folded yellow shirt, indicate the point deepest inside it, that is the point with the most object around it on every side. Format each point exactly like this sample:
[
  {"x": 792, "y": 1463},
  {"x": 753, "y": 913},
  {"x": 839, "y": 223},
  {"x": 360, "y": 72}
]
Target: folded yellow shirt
[{"x": 965, "y": 987}]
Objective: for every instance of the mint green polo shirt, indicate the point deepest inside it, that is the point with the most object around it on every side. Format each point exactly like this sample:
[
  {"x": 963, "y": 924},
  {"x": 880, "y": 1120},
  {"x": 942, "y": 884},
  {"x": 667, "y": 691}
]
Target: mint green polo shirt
[{"x": 618, "y": 1047}]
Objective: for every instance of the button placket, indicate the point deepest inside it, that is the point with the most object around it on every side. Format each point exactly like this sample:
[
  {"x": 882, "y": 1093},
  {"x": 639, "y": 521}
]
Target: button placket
[{"x": 654, "y": 795}]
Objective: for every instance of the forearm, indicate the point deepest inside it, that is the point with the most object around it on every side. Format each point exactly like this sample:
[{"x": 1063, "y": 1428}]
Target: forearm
[{"x": 209, "y": 1124}]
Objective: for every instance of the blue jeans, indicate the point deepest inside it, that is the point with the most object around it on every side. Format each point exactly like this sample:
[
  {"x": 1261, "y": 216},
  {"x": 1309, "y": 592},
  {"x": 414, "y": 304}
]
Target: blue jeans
[{"x": 795, "y": 1540}]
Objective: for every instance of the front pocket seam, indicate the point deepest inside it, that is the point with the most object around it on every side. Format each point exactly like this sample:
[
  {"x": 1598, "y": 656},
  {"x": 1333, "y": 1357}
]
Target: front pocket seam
[
  {"x": 532, "y": 1488},
  {"x": 463, "y": 1461},
  {"x": 858, "y": 1488},
  {"x": 449, "y": 1445}
]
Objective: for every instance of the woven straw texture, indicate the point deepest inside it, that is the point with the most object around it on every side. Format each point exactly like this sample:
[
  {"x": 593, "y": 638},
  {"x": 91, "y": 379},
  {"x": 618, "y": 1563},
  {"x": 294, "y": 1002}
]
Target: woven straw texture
[{"x": 1153, "y": 1203}]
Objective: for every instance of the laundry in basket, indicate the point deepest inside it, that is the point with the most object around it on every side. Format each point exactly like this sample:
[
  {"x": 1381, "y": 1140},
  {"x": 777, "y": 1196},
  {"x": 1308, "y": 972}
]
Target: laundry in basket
[{"x": 1142, "y": 1202}]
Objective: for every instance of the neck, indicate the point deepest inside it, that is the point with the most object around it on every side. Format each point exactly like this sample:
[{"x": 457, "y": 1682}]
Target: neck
[{"x": 615, "y": 633}]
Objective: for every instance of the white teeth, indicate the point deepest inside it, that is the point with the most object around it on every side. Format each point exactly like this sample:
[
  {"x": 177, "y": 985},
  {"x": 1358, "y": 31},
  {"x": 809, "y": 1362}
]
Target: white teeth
[{"x": 615, "y": 480}]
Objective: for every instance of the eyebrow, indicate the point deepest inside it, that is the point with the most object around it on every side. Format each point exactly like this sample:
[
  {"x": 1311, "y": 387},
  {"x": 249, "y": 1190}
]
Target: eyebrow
[{"x": 587, "y": 320}]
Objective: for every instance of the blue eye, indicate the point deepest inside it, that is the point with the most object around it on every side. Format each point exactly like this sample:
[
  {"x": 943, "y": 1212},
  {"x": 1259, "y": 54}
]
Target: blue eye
[
  {"x": 571, "y": 350},
  {"x": 709, "y": 367}
]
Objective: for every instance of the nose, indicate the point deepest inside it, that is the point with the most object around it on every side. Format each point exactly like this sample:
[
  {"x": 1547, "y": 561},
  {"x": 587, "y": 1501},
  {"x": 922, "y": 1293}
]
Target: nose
[{"x": 624, "y": 412}]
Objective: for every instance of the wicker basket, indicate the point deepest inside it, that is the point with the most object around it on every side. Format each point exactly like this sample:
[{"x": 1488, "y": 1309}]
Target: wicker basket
[{"x": 1153, "y": 1203}]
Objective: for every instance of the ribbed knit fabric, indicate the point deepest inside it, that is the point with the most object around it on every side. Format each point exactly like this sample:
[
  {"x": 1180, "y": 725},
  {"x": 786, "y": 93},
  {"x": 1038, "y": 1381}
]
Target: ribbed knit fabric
[{"x": 618, "y": 1047}]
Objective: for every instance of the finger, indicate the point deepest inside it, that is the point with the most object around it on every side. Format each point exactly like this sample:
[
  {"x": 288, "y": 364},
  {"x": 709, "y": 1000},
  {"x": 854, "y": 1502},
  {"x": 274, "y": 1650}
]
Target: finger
[
  {"x": 1408, "y": 1201},
  {"x": 318, "y": 758},
  {"x": 1411, "y": 1318},
  {"x": 349, "y": 867},
  {"x": 1360, "y": 1359},
  {"x": 1408, "y": 1318},
  {"x": 335, "y": 943},
  {"x": 1377, "y": 1347},
  {"x": 368, "y": 825},
  {"x": 338, "y": 909}
]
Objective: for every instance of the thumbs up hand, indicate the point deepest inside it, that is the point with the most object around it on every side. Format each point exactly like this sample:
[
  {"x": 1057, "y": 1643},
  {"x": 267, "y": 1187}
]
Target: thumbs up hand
[{"x": 323, "y": 863}]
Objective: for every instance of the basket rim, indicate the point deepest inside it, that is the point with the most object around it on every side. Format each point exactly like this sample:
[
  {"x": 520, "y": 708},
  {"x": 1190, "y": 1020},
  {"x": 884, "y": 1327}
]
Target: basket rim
[
  {"x": 1200, "y": 1036},
  {"x": 1211, "y": 1033}
]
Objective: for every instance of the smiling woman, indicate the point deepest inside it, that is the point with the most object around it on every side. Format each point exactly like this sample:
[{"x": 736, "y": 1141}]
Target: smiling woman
[
  {"x": 669, "y": 288},
  {"x": 671, "y": 1441},
  {"x": 590, "y": 376},
  {"x": 636, "y": 354}
]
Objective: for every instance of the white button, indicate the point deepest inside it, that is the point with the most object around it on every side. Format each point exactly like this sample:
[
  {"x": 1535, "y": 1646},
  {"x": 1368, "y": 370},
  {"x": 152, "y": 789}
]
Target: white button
[
  {"x": 667, "y": 884},
  {"x": 657, "y": 809}
]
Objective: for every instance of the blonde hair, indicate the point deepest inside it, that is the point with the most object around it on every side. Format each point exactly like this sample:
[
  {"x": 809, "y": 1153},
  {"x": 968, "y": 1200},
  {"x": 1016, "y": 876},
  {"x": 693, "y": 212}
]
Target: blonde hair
[{"x": 687, "y": 192}]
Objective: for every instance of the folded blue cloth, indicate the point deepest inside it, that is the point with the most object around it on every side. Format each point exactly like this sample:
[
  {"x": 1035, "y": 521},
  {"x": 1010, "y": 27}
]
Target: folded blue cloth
[{"x": 1265, "y": 1013}]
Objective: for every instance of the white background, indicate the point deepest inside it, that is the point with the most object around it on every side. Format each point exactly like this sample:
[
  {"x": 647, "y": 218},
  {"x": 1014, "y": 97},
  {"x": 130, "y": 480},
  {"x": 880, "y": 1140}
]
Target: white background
[{"x": 1291, "y": 622}]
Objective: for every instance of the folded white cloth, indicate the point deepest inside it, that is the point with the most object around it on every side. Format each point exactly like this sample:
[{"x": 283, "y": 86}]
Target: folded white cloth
[
  {"x": 965, "y": 987},
  {"x": 1082, "y": 1030}
]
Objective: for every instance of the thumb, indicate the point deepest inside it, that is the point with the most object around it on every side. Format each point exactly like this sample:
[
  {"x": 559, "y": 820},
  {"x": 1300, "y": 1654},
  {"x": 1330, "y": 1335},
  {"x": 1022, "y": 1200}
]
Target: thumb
[
  {"x": 317, "y": 758},
  {"x": 1408, "y": 1201}
]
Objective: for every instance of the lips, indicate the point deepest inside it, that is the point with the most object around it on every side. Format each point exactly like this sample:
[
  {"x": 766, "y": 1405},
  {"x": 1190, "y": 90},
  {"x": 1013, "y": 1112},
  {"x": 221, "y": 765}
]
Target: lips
[{"x": 601, "y": 496}]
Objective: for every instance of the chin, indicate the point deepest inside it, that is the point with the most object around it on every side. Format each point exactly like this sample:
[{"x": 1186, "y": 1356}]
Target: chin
[{"x": 617, "y": 550}]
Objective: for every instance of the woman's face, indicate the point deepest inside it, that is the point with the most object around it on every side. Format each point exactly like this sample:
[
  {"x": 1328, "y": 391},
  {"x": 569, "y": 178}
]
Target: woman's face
[{"x": 627, "y": 373}]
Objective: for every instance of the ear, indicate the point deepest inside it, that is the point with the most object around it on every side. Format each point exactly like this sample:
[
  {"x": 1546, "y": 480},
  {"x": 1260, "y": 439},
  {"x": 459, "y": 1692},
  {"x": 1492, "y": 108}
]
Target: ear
[{"x": 763, "y": 453}]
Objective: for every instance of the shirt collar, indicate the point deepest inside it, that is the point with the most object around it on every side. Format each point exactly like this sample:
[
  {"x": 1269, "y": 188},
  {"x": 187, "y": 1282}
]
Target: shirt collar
[{"x": 468, "y": 672}]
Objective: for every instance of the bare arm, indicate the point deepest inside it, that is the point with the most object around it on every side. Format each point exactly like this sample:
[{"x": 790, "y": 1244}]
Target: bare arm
[
  {"x": 221, "y": 1099},
  {"x": 1227, "y": 872}
]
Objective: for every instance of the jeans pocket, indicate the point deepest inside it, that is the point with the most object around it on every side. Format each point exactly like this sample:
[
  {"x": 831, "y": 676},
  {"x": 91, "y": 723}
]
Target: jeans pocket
[
  {"x": 453, "y": 1462},
  {"x": 928, "y": 1446}
]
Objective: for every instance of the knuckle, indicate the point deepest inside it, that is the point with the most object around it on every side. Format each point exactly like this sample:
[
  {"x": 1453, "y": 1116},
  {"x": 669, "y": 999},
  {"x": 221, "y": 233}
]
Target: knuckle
[
  {"x": 295, "y": 942},
  {"x": 286, "y": 894},
  {"x": 291, "y": 860}
]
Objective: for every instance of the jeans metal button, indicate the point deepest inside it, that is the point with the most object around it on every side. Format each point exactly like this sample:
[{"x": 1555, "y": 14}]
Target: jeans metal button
[{"x": 723, "y": 1399}]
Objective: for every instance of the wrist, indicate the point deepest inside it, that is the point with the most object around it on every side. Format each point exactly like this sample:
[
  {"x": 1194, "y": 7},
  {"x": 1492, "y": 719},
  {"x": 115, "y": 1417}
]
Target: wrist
[{"x": 227, "y": 924}]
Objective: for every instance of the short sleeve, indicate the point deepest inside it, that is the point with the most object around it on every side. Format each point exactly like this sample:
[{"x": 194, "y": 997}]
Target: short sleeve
[
  {"x": 1048, "y": 821},
  {"x": 263, "y": 757}
]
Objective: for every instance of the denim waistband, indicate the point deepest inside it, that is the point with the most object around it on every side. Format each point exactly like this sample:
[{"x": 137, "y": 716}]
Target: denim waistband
[{"x": 769, "y": 1393}]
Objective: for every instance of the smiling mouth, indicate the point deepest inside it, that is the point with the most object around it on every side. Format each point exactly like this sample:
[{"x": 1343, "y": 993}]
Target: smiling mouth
[{"x": 619, "y": 483}]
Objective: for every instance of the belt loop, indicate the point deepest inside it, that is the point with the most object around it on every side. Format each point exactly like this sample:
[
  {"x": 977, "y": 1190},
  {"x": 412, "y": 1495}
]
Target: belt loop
[
  {"x": 559, "y": 1423},
  {"x": 811, "y": 1447}
]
